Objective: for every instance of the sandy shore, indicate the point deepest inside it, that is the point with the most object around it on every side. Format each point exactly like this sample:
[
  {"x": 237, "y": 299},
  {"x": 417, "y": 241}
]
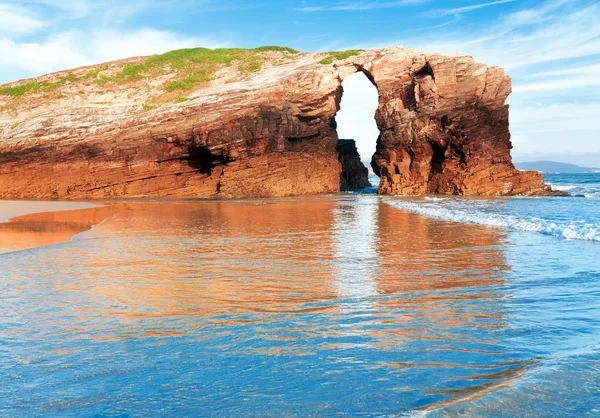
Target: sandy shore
[{"x": 13, "y": 208}]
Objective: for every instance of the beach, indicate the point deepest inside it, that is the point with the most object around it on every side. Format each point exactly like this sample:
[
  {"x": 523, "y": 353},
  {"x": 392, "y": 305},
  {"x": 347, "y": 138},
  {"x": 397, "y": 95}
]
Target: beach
[{"x": 347, "y": 303}]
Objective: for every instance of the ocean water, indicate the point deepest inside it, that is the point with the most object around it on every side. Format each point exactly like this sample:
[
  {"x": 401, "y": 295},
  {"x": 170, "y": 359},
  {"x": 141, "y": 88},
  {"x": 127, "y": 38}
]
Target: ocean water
[
  {"x": 573, "y": 217},
  {"x": 350, "y": 303}
]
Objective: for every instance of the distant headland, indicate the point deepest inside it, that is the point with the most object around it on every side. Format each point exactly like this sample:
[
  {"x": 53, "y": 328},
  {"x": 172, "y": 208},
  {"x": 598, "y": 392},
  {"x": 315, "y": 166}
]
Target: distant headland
[{"x": 555, "y": 167}]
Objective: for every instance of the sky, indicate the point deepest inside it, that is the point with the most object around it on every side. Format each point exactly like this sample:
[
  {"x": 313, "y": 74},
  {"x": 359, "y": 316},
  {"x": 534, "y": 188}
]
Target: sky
[{"x": 551, "y": 49}]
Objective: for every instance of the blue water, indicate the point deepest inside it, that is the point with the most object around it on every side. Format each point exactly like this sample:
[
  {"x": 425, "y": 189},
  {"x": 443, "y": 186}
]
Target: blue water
[
  {"x": 350, "y": 304},
  {"x": 573, "y": 217}
]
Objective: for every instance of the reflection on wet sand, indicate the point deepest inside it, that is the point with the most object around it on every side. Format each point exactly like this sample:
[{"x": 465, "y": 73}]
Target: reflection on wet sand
[
  {"x": 423, "y": 254},
  {"x": 210, "y": 259},
  {"x": 41, "y": 229},
  {"x": 494, "y": 382},
  {"x": 440, "y": 267},
  {"x": 214, "y": 259},
  {"x": 350, "y": 272}
]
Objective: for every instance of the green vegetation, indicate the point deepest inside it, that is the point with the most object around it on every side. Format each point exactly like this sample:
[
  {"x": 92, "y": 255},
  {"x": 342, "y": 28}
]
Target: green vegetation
[
  {"x": 189, "y": 82},
  {"x": 275, "y": 48},
  {"x": 14, "y": 126},
  {"x": 20, "y": 90},
  {"x": 197, "y": 65},
  {"x": 149, "y": 104},
  {"x": 248, "y": 67},
  {"x": 193, "y": 66},
  {"x": 181, "y": 99},
  {"x": 34, "y": 86},
  {"x": 339, "y": 55}
]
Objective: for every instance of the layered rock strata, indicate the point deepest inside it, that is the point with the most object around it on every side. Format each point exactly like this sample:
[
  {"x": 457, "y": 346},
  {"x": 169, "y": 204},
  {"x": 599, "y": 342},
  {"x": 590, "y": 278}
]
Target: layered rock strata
[
  {"x": 354, "y": 174},
  {"x": 443, "y": 123}
]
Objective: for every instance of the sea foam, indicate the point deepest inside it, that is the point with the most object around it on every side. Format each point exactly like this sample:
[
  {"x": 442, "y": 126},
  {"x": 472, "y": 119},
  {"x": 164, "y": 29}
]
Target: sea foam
[
  {"x": 449, "y": 209},
  {"x": 590, "y": 191}
]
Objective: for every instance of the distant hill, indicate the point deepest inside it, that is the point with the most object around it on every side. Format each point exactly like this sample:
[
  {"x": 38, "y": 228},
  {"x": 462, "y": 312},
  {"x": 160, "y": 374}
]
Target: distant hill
[{"x": 554, "y": 167}]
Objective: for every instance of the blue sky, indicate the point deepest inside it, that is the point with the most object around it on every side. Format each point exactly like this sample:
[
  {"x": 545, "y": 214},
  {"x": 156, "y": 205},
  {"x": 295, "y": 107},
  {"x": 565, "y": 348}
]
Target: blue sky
[{"x": 551, "y": 49}]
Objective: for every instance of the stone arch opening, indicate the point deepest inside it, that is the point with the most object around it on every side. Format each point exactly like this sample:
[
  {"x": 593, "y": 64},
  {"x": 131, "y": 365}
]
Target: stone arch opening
[{"x": 357, "y": 129}]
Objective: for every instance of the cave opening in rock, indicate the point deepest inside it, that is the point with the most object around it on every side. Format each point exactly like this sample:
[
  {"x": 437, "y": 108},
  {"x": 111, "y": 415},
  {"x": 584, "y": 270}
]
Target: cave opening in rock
[
  {"x": 356, "y": 121},
  {"x": 203, "y": 160}
]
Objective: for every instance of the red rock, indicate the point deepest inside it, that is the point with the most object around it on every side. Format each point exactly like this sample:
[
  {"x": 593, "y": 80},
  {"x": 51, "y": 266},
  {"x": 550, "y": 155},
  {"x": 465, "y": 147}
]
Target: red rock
[{"x": 443, "y": 123}]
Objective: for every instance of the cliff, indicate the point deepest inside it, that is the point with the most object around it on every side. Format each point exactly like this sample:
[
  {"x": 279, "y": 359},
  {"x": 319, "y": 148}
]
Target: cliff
[
  {"x": 253, "y": 123},
  {"x": 354, "y": 174}
]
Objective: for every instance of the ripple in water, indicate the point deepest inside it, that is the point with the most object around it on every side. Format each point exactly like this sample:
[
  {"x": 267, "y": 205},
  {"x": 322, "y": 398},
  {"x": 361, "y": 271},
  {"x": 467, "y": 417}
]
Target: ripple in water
[{"x": 306, "y": 306}]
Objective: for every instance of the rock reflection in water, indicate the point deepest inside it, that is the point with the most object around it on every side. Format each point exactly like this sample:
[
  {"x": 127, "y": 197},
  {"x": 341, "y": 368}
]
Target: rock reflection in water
[
  {"x": 42, "y": 229},
  {"x": 374, "y": 290},
  {"x": 213, "y": 258}
]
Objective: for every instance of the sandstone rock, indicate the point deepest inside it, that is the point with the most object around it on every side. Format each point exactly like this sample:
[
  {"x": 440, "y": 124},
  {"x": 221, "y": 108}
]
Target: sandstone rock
[
  {"x": 443, "y": 123},
  {"x": 354, "y": 174}
]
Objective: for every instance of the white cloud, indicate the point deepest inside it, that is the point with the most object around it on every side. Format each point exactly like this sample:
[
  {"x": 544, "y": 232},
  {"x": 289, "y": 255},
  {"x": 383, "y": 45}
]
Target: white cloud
[
  {"x": 552, "y": 53},
  {"x": 562, "y": 80},
  {"x": 15, "y": 21},
  {"x": 558, "y": 117},
  {"x": 75, "y": 9},
  {"x": 360, "y": 6},
  {"x": 465, "y": 9},
  {"x": 589, "y": 69},
  {"x": 565, "y": 132},
  {"x": 553, "y": 31},
  {"x": 114, "y": 44},
  {"x": 76, "y": 48}
]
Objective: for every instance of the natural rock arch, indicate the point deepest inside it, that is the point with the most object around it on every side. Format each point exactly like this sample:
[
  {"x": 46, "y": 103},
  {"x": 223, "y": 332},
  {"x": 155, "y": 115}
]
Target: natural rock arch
[
  {"x": 357, "y": 129},
  {"x": 443, "y": 126}
]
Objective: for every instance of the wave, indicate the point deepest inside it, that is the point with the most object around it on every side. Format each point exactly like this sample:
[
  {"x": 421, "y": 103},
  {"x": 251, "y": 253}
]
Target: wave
[
  {"x": 578, "y": 191},
  {"x": 463, "y": 212}
]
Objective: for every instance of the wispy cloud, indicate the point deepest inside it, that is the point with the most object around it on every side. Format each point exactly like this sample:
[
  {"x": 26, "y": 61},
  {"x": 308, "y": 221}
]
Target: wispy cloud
[
  {"x": 42, "y": 36},
  {"x": 552, "y": 53},
  {"x": 566, "y": 84},
  {"x": 17, "y": 21},
  {"x": 561, "y": 80},
  {"x": 550, "y": 36},
  {"x": 465, "y": 9},
  {"x": 441, "y": 25},
  {"x": 76, "y": 48},
  {"x": 579, "y": 70},
  {"x": 359, "y": 6},
  {"x": 556, "y": 130}
]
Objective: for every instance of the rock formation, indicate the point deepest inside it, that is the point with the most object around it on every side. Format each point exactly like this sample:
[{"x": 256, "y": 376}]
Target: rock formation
[
  {"x": 354, "y": 174},
  {"x": 255, "y": 124}
]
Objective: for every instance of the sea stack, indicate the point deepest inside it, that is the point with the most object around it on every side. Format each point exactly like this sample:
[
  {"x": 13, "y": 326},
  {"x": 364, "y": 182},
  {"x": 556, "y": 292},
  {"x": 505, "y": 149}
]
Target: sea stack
[
  {"x": 255, "y": 123},
  {"x": 354, "y": 174}
]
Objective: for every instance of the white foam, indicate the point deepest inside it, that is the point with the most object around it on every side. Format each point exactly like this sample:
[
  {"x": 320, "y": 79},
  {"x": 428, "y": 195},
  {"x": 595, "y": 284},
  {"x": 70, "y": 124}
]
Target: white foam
[
  {"x": 562, "y": 187},
  {"x": 460, "y": 213},
  {"x": 591, "y": 191}
]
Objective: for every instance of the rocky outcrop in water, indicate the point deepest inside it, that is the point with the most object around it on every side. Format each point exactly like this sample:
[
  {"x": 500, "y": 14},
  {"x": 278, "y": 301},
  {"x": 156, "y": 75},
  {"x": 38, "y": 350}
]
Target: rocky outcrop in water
[
  {"x": 164, "y": 126},
  {"x": 354, "y": 174}
]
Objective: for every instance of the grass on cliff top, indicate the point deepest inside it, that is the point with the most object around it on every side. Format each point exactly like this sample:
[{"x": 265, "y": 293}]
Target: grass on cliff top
[
  {"x": 339, "y": 55},
  {"x": 34, "y": 86},
  {"x": 193, "y": 65},
  {"x": 196, "y": 65}
]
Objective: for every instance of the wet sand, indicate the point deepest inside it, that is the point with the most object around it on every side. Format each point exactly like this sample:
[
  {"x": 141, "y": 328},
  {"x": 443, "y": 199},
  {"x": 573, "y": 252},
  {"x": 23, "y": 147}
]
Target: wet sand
[
  {"x": 14, "y": 208},
  {"x": 28, "y": 224},
  {"x": 324, "y": 305}
]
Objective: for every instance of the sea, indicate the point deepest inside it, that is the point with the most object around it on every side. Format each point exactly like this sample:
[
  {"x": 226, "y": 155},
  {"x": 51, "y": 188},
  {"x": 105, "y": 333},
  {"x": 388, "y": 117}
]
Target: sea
[{"x": 349, "y": 304}]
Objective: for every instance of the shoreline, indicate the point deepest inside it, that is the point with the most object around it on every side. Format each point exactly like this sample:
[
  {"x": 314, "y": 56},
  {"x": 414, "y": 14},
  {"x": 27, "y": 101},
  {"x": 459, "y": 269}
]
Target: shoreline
[{"x": 11, "y": 209}]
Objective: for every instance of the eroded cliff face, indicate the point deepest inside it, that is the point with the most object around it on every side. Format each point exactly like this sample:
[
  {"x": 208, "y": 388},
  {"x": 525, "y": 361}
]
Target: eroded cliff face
[
  {"x": 443, "y": 123},
  {"x": 354, "y": 174}
]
